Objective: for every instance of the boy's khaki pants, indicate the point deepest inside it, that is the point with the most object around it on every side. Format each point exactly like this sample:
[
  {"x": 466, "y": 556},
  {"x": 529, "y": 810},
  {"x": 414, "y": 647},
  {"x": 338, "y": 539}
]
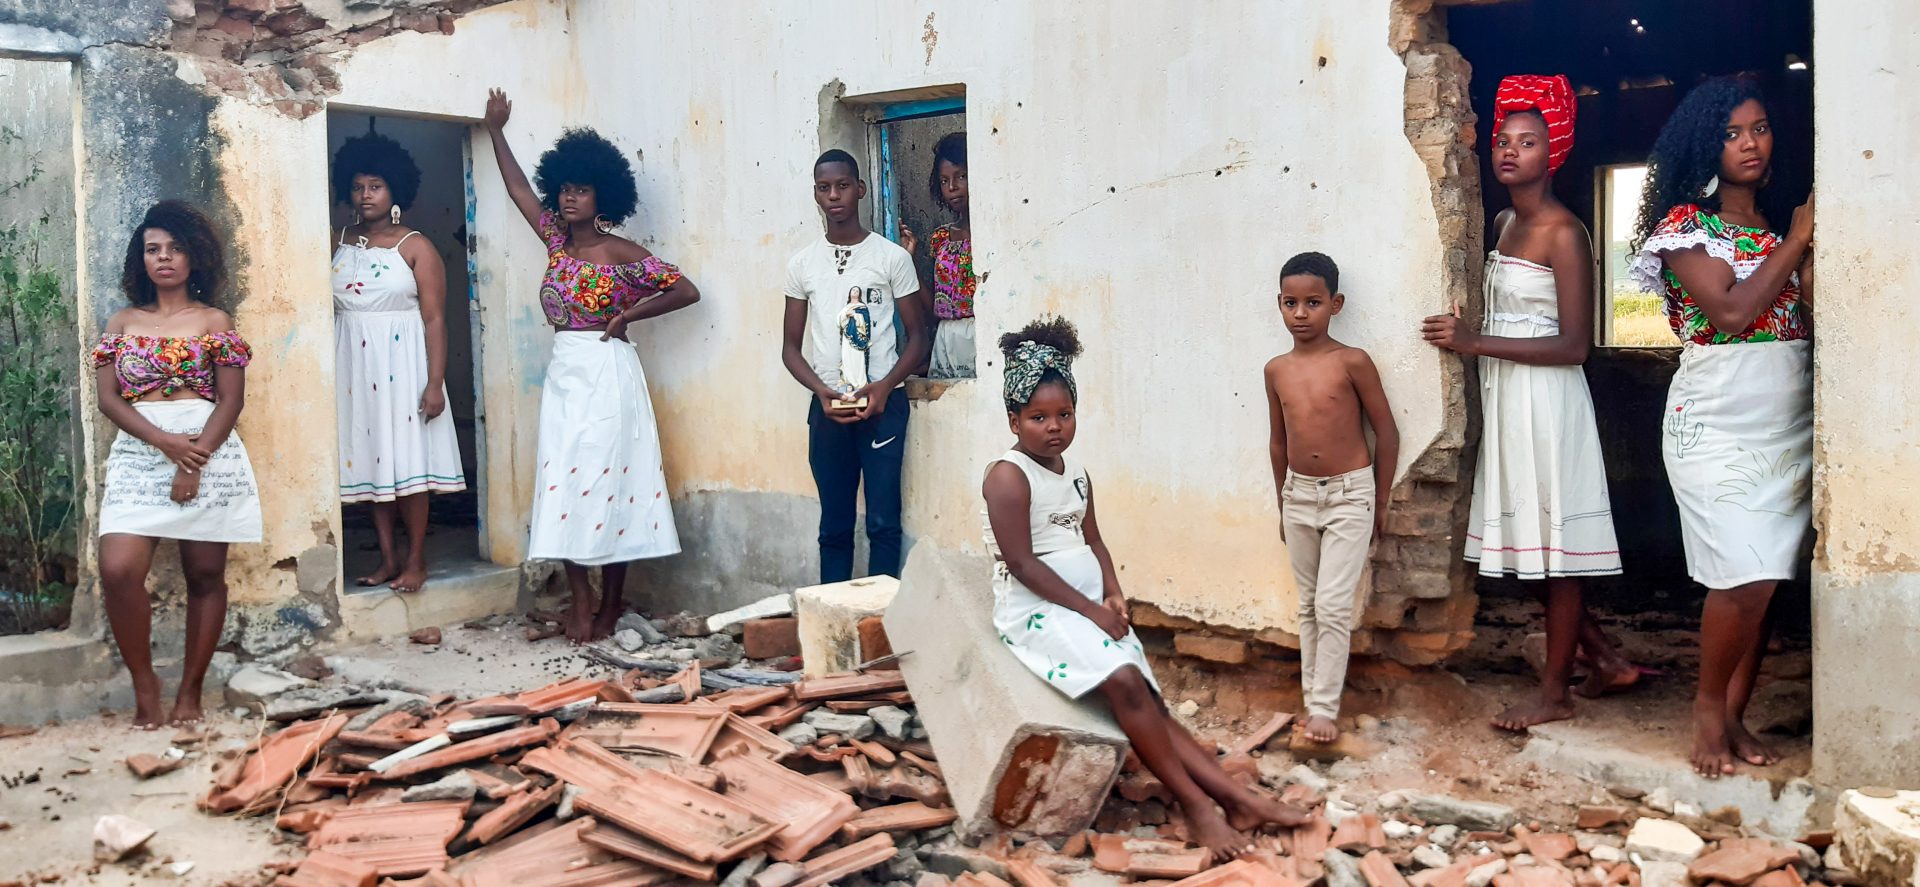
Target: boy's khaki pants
[{"x": 1328, "y": 523}]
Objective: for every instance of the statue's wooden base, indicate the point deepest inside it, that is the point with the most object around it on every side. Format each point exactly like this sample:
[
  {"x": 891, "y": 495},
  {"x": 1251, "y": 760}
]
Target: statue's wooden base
[{"x": 850, "y": 405}]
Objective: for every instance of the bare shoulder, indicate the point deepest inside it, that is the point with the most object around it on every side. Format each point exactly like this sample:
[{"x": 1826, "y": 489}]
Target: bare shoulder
[
  {"x": 626, "y": 252},
  {"x": 415, "y": 242},
  {"x": 1356, "y": 359},
  {"x": 1274, "y": 365},
  {"x": 117, "y": 323},
  {"x": 1004, "y": 480},
  {"x": 214, "y": 320}
]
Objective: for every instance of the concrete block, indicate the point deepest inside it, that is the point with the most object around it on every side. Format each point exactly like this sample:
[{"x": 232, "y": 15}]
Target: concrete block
[
  {"x": 1879, "y": 837},
  {"x": 1016, "y": 753},
  {"x": 830, "y": 621}
]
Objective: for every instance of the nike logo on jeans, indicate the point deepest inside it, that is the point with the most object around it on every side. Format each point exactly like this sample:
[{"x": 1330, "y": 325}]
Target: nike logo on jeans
[{"x": 881, "y": 443}]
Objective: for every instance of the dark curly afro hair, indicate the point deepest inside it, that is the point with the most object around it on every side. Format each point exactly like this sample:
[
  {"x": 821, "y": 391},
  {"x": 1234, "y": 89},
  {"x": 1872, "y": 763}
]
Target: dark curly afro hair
[
  {"x": 1687, "y": 152},
  {"x": 193, "y": 234},
  {"x": 584, "y": 157},
  {"x": 376, "y": 155},
  {"x": 1054, "y": 332}
]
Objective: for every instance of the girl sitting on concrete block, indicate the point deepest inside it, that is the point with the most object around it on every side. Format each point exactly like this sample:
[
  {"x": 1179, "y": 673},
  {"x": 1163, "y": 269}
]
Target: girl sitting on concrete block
[{"x": 1057, "y": 599}]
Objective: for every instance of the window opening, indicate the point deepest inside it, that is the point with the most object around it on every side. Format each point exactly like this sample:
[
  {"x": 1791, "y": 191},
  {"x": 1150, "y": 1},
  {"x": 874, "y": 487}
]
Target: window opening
[
  {"x": 1629, "y": 316},
  {"x": 901, "y": 143}
]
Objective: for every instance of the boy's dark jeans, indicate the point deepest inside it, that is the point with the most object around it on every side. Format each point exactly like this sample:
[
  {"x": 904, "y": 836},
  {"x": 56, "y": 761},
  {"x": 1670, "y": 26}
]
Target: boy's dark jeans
[{"x": 841, "y": 456}]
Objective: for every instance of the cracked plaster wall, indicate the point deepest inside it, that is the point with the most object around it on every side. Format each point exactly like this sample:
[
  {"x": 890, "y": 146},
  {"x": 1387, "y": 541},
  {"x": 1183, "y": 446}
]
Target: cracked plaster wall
[
  {"x": 1144, "y": 170},
  {"x": 1866, "y": 590}
]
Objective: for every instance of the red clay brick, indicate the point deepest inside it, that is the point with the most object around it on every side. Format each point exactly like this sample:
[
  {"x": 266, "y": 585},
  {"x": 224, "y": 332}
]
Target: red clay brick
[{"x": 773, "y": 637}]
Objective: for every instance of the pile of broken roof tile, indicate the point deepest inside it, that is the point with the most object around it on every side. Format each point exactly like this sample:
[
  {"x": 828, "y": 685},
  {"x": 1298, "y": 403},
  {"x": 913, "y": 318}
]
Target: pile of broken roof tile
[
  {"x": 583, "y": 783},
  {"x": 759, "y": 779}
]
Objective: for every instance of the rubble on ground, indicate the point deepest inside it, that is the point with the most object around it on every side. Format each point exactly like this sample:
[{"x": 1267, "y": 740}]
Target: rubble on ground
[{"x": 669, "y": 766}]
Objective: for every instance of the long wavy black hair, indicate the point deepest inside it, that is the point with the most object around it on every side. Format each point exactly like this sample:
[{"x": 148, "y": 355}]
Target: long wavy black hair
[
  {"x": 1686, "y": 155},
  {"x": 585, "y": 157},
  {"x": 194, "y": 235}
]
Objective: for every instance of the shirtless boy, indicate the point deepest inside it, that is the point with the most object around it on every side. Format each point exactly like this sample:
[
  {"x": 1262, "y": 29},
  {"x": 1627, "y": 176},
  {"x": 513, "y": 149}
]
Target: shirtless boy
[{"x": 1333, "y": 492}]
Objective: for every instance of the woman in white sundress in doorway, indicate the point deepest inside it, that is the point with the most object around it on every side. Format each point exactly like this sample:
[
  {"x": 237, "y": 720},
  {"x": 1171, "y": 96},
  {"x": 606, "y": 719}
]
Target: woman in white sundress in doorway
[
  {"x": 1057, "y": 599},
  {"x": 397, "y": 443},
  {"x": 1540, "y": 512}
]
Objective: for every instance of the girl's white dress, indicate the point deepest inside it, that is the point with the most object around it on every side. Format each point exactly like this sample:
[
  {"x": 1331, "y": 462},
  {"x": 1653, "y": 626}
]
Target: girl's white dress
[{"x": 1063, "y": 647}]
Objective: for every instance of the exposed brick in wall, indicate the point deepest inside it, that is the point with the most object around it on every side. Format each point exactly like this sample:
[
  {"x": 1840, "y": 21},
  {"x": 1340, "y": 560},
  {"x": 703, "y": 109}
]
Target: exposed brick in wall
[{"x": 282, "y": 53}]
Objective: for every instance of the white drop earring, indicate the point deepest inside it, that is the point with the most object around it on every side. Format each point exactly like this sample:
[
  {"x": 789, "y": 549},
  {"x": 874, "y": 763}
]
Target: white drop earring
[
  {"x": 1713, "y": 184},
  {"x": 394, "y": 214}
]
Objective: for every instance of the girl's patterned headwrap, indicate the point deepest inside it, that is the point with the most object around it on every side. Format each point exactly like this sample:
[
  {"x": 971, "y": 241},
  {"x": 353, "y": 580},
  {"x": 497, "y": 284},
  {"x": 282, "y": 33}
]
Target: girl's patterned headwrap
[
  {"x": 1030, "y": 362},
  {"x": 1553, "y": 98}
]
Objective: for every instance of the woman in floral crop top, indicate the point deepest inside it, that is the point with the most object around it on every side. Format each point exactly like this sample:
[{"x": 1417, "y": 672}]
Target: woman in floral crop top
[
  {"x": 600, "y": 496},
  {"x": 950, "y": 247},
  {"x": 1738, "y": 422},
  {"x": 171, "y": 373}
]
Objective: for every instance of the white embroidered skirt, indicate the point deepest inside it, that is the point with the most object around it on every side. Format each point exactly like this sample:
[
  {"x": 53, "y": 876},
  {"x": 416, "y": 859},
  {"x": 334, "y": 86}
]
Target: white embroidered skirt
[
  {"x": 137, "y": 498},
  {"x": 600, "y": 496},
  {"x": 387, "y": 448},
  {"x": 1737, "y": 439},
  {"x": 1064, "y": 648}
]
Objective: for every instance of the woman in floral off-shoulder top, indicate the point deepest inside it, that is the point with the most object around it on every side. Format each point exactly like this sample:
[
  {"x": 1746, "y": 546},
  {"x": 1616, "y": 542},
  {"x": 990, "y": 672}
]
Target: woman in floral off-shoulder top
[
  {"x": 599, "y": 496},
  {"x": 1738, "y": 424},
  {"x": 171, "y": 373}
]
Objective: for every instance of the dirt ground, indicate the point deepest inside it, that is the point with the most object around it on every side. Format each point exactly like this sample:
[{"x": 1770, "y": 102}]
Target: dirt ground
[{"x": 1429, "y": 728}]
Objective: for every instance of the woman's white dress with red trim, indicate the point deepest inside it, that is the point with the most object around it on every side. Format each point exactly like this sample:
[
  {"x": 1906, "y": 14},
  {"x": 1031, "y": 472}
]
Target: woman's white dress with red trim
[{"x": 1540, "y": 504}]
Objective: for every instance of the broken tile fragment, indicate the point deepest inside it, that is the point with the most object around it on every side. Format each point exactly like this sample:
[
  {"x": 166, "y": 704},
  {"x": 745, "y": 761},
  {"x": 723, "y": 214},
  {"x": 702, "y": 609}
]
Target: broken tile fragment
[{"x": 116, "y": 836}]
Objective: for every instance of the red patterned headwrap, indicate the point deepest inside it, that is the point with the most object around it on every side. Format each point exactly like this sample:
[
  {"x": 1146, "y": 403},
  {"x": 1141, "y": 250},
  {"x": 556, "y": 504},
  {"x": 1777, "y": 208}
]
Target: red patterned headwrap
[{"x": 1552, "y": 97}]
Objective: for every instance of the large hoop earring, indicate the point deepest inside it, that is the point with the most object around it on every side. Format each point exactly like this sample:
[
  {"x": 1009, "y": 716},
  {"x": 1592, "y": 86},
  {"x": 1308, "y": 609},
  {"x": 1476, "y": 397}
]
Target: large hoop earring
[
  {"x": 1713, "y": 184},
  {"x": 394, "y": 214},
  {"x": 601, "y": 225}
]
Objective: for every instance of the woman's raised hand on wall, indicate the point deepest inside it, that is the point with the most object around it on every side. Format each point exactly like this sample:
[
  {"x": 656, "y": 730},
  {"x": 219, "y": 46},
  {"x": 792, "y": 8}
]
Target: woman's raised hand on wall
[
  {"x": 498, "y": 108},
  {"x": 1802, "y": 227},
  {"x": 908, "y": 241}
]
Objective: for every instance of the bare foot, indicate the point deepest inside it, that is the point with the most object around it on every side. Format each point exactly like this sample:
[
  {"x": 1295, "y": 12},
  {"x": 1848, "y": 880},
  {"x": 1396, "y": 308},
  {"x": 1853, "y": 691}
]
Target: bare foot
[
  {"x": 1748, "y": 747},
  {"x": 1321, "y": 729},
  {"x": 381, "y": 576},
  {"x": 1253, "y": 809},
  {"x": 1609, "y": 679},
  {"x": 1210, "y": 830},
  {"x": 146, "y": 702},
  {"x": 410, "y": 580},
  {"x": 1520, "y": 717},
  {"x": 604, "y": 622},
  {"x": 579, "y": 624},
  {"x": 186, "y": 710},
  {"x": 1712, "y": 756}
]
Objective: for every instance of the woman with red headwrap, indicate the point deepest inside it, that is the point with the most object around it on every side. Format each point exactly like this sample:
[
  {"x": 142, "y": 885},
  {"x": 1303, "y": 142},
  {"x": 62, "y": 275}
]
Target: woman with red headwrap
[{"x": 1540, "y": 507}]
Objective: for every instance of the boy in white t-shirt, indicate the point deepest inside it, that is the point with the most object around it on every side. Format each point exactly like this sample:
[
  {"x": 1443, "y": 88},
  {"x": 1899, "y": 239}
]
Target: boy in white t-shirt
[{"x": 851, "y": 265}]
